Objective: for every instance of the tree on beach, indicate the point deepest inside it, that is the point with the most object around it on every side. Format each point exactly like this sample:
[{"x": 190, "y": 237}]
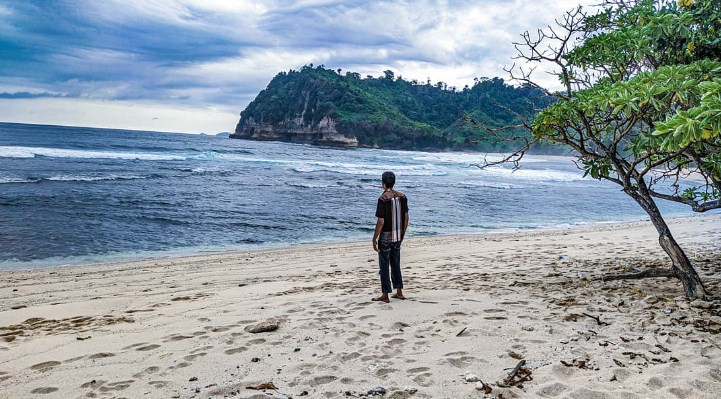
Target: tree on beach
[{"x": 640, "y": 106}]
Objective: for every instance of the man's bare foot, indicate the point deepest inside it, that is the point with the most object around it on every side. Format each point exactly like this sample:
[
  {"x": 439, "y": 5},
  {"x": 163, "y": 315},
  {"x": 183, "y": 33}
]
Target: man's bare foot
[
  {"x": 398, "y": 296},
  {"x": 382, "y": 298}
]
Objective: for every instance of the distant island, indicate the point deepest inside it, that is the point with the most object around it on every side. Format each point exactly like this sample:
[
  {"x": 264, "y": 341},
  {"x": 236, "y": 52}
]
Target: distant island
[{"x": 321, "y": 106}]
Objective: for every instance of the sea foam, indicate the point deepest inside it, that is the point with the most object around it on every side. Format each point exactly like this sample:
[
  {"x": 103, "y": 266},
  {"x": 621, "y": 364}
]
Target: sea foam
[{"x": 32, "y": 152}]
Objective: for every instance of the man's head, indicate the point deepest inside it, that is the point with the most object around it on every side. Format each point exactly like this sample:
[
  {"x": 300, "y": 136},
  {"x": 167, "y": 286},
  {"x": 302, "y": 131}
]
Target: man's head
[{"x": 388, "y": 179}]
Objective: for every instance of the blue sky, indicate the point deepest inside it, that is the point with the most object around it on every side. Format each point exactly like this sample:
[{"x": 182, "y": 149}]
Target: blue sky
[{"x": 192, "y": 65}]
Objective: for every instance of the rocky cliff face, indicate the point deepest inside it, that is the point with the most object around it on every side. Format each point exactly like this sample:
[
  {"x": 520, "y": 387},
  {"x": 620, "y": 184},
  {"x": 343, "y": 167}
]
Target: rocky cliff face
[{"x": 294, "y": 131}]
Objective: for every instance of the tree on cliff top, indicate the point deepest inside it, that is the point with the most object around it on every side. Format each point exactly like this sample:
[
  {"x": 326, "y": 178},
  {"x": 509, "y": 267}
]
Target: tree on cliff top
[{"x": 641, "y": 106}]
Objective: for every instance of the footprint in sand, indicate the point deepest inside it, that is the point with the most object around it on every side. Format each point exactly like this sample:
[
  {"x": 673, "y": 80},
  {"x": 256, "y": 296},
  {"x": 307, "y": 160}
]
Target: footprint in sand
[
  {"x": 346, "y": 357},
  {"x": 148, "y": 347},
  {"x": 420, "y": 343},
  {"x": 93, "y": 384},
  {"x": 459, "y": 362},
  {"x": 179, "y": 366},
  {"x": 451, "y": 322},
  {"x": 158, "y": 384},
  {"x": 424, "y": 379},
  {"x": 139, "y": 311},
  {"x": 382, "y": 373},
  {"x": 451, "y": 314},
  {"x": 325, "y": 379},
  {"x": 135, "y": 345},
  {"x": 116, "y": 386},
  {"x": 233, "y": 351},
  {"x": 147, "y": 371},
  {"x": 655, "y": 383},
  {"x": 45, "y": 365},
  {"x": 360, "y": 335},
  {"x": 74, "y": 359},
  {"x": 705, "y": 386},
  {"x": 552, "y": 390},
  {"x": 176, "y": 337},
  {"x": 101, "y": 355},
  {"x": 205, "y": 348},
  {"x": 589, "y": 393},
  {"x": 192, "y": 357},
  {"x": 256, "y": 341},
  {"x": 44, "y": 390},
  {"x": 418, "y": 370},
  {"x": 217, "y": 329}
]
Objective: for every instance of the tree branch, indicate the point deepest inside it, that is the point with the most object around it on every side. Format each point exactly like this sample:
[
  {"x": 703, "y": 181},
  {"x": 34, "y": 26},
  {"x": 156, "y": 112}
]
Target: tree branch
[{"x": 650, "y": 273}]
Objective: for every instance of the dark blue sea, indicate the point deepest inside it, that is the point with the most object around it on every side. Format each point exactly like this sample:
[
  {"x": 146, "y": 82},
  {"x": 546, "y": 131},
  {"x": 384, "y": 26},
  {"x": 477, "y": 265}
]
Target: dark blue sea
[{"x": 72, "y": 195}]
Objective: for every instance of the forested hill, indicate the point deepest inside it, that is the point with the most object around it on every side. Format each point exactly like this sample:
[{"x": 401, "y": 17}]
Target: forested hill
[{"x": 323, "y": 106}]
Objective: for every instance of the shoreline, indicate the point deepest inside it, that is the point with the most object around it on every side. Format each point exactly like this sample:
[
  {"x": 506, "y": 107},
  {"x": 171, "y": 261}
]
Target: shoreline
[
  {"x": 477, "y": 305},
  {"x": 180, "y": 253}
]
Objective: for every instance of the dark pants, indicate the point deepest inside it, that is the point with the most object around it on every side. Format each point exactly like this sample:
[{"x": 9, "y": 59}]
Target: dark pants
[{"x": 390, "y": 253}]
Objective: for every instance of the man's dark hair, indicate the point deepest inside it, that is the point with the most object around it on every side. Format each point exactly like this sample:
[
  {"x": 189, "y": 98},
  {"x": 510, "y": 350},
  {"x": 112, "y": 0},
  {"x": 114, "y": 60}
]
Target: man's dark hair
[{"x": 389, "y": 179}]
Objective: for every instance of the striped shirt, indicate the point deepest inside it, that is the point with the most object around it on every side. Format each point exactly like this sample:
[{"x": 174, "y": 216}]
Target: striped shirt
[{"x": 392, "y": 207}]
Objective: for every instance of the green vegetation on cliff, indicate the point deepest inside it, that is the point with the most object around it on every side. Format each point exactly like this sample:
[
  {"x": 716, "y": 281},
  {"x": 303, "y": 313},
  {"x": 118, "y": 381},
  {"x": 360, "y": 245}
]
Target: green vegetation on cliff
[{"x": 390, "y": 112}]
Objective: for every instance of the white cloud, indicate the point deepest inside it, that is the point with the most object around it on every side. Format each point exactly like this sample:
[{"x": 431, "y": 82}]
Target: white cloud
[
  {"x": 136, "y": 115},
  {"x": 182, "y": 56},
  {"x": 4, "y": 11}
]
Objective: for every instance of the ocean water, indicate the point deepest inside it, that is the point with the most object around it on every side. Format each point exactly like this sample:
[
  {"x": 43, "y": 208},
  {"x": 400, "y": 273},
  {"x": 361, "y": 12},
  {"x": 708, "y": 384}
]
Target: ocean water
[{"x": 73, "y": 195}]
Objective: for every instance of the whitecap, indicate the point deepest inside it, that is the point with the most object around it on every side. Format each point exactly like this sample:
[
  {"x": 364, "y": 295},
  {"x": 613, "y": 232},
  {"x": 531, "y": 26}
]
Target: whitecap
[
  {"x": 480, "y": 184},
  {"x": 69, "y": 178},
  {"x": 539, "y": 175},
  {"x": 469, "y": 159},
  {"x": 309, "y": 185},
  {"x": 11, "y": 180},
  {"x": 81, "y": 178},
  {"x": 31, "y": 152},
  {"x": 367, "y": 169}
]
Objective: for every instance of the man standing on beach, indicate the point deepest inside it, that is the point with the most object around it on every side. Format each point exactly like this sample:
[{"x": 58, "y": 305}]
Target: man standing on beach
[{"x": 391, "y": 225}]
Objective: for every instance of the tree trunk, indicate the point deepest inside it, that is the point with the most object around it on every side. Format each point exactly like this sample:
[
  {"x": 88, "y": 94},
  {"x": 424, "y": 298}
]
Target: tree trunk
[{"x": 681, "y": 266}]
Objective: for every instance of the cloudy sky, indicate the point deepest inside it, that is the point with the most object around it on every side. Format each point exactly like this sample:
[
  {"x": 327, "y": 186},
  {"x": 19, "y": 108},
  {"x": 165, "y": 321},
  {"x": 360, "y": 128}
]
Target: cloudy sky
[{"x": 193, "y": 65}]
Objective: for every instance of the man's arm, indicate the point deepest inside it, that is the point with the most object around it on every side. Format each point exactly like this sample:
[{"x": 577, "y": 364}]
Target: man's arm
[
  {"x": 379, "y": 227},
  {"x": 405, "y": 226}
]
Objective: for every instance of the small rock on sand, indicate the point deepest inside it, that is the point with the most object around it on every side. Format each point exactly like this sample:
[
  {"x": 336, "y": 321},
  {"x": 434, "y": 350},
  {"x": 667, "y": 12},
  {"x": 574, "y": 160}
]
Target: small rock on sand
[{"x": 264, "y": 326}]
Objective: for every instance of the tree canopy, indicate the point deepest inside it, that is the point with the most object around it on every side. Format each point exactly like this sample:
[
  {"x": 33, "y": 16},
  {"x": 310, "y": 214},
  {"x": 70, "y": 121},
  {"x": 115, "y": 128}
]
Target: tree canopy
[{"x": 640, "y": 104}]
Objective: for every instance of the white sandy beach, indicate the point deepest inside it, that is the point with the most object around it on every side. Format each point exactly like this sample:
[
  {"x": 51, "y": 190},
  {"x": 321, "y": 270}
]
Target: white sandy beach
[{"x": 177, "y": 328}]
